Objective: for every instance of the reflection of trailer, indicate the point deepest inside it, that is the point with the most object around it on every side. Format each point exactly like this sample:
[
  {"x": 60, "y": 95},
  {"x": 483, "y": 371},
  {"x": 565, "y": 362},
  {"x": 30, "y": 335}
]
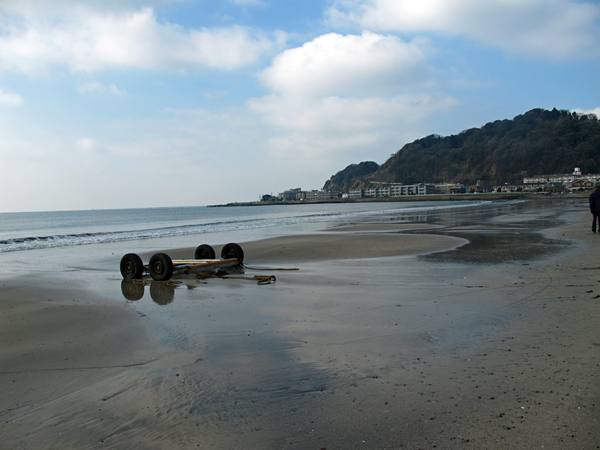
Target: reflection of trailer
[{"x": 161, "y": 267}]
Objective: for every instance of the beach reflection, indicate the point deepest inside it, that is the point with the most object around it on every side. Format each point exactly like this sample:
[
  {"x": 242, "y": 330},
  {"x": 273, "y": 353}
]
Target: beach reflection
[
  {"x": 161, "y": 293},
  {"x": 498, "y": 246},
  {"x": 500, "y": 235},
  {"x": 131, "y": 290}
]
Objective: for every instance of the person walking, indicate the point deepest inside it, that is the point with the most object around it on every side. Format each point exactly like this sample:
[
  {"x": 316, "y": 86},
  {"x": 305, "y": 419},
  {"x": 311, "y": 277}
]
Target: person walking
[{"x": 595, "y": 206}]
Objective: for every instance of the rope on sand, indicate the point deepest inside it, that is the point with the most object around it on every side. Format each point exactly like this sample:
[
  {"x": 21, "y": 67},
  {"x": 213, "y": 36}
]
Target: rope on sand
[
  {"x": 264, "y": 268},
  {"x": 260, "y": 279}
]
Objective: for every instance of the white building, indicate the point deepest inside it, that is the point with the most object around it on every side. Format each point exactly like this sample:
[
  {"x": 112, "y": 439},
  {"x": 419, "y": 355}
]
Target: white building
[
  {"x": 321, "y": 195},
  {"x": 565, "y": 178},
  {"x": 396, "y": 190}
]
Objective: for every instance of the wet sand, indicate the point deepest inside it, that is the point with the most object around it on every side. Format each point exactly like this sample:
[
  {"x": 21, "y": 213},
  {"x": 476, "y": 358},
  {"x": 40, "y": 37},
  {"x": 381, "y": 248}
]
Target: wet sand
[{"x": 390, "y": 335}]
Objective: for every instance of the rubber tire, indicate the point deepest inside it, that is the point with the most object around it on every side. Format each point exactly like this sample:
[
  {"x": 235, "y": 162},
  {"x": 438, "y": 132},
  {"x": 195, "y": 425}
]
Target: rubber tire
[
  {"x": 205, "y": 251},
  {"x": 232, "y": 251},
  {"x": 161, "y": 267},
  {"x": 132, "y": 266}
]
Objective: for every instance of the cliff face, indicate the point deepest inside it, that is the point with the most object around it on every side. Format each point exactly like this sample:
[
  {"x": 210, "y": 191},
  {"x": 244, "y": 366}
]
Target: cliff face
[{"x": 535, "y": 143}]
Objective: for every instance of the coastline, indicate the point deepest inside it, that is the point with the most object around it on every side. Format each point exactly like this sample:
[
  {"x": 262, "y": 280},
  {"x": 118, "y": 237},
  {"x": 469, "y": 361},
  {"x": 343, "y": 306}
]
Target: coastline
[
  {"x": 366, "y": 346},
  {"x": 414, "y": 198}
]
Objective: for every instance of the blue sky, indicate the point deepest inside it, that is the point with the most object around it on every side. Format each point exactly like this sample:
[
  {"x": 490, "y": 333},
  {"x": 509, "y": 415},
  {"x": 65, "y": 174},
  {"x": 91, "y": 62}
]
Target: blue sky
[{"x": 133, "y": 103}]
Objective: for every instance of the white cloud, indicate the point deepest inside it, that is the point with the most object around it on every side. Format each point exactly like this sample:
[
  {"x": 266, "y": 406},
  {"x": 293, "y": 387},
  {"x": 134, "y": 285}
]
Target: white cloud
[
  {"x": 326, "y": 128},
  {"x": 89, "y": 40},
  {"x": 595, "y": 111},
  {"x": 95, "y": 86},
  {"x": 333, "y": 64},
  {"x": 552, "y": 29},
  {"x": 9, "y": 98},
  {"x": 343, "y": 94},
  {"x": 19, "y": 7},
  {"x": 86, "y": 144},
  {"x": 339, "y": 116},
  {"x": 189, "y": 149}
]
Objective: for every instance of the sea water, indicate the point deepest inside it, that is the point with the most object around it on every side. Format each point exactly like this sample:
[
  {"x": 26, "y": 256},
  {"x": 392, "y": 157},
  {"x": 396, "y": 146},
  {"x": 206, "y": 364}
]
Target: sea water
[{"x": 42, "y": 230}]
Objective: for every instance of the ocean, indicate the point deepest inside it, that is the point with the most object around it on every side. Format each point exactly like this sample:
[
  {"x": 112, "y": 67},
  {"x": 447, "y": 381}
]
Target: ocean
[{"x": 43, "y": 230}]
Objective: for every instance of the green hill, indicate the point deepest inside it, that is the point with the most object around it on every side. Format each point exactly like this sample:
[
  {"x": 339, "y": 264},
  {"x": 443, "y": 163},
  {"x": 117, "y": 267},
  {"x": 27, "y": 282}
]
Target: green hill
[
  {"x": 351, "y": 177},
  {"x": 535, "y": 143}
]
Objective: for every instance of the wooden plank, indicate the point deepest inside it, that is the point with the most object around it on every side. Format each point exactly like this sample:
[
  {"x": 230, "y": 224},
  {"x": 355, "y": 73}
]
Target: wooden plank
[
  {"x": 193, "y": 261},
  {"x": 210, "y": 263}
]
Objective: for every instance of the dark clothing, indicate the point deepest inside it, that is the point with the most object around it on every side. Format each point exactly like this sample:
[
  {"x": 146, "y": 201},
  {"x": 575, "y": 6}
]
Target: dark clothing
[
  {"x": 595, "y": 201},
  {"x": 595, "y": 207}
]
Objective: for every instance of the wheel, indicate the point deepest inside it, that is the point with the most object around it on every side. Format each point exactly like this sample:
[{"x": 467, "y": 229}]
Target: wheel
[
  {"x": 132, "y": 291},
  {"x": 205, "y": 251},
  {"x": 232, "y": 251},
  {"x": 161, "y": 267},
  {"x": 132, "y": 266}
]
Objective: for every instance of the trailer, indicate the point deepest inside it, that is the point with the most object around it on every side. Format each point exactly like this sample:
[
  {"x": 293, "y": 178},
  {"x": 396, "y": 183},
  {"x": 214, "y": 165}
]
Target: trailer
[{"x": 161, "y": 267}]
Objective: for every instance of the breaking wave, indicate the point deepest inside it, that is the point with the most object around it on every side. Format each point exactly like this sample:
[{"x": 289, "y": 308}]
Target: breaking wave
[{"x": 49, "y": 240}]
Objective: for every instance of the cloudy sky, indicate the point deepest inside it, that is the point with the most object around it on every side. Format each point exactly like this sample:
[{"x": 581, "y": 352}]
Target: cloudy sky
[{"x": 142, "y": 103}]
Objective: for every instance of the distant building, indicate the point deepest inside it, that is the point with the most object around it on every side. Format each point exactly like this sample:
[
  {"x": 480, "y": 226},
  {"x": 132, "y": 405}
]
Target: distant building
[
  {"x": 580, "y": 184},
  {"x": 449, "y": 188},
  {"x": 530, "y": 187},
  {"x": 395, "y": 190},
  {"x": 321, "y": 195},
  {"x": 370, "y": 193},
  {"x": 509, "y": 187},
  {"x": 564, "y": 178},
  {"x": 292, "y": 195},
  {"x": 268, "y": 198},
  {"x": 298, "y": 195}
]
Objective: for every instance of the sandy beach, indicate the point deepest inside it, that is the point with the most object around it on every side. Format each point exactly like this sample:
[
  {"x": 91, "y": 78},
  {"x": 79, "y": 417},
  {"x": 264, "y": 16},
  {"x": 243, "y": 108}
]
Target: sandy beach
[{"x": 469, "y": 331}]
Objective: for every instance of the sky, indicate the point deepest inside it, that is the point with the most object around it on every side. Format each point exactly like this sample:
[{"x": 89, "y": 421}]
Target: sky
[{"x": 156, "y": 103}]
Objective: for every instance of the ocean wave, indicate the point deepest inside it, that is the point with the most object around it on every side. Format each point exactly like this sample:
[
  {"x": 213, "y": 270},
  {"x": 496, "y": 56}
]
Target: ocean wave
[{"x": 65, "y": 240}]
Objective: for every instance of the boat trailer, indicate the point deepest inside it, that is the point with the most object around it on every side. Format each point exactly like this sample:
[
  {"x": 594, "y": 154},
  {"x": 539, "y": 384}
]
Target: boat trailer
[{"x": 161, "y": 267}]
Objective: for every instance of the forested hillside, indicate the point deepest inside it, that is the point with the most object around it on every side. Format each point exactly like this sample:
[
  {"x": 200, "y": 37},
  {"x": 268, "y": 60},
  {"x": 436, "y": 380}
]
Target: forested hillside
[
  {"x": 535, "y": 143},
  {"x": 351, "y": 177}
]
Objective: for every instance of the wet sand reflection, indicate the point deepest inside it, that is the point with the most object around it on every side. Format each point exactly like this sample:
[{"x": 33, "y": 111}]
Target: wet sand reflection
[{"x": 162, "y": 293}]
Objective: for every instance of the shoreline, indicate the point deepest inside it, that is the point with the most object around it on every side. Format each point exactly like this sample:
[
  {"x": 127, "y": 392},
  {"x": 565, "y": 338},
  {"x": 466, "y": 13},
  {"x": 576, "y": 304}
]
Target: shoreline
[
  {"x": 414, "y": 198},
  {"x": 357, "y": 348}
]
